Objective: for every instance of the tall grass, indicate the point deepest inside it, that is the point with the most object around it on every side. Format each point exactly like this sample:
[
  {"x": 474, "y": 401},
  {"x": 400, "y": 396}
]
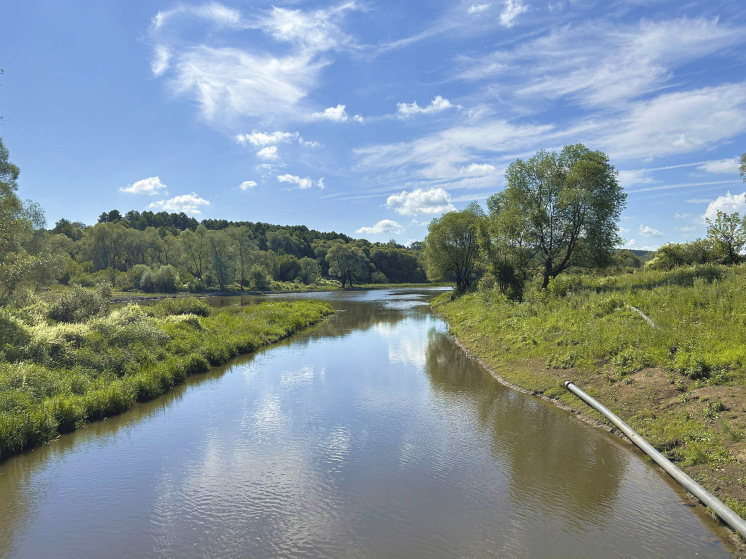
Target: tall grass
[{"x": 55, "y": 376}]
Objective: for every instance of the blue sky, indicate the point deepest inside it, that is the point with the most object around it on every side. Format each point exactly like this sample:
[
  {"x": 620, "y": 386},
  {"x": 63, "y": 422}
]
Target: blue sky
[{"x": 370, "y": 117}]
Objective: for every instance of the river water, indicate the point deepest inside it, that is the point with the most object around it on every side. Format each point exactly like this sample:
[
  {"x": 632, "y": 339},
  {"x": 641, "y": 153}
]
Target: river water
[{"x": 372, "y": 435}]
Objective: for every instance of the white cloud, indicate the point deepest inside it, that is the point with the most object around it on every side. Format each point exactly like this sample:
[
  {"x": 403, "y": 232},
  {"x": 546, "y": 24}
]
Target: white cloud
[
  {"x": 478, "y": 170},
  {"x": 441, "y": 155},
  {"x": 303, "y": 183},
  {"x": 632, "y": 178},
  {"x": 647, "y": 231},
  {"x": 511, "y": 10},
  {"x": 214, "y": 13},
  {"x": 597, "y": 65},
  {"x": 385, "y": 226},
  {"x": 436, "y": 105},
  {"x": 680, "y": 122},
  {"x": 478, "y": 8},
  {"x": 151, "y": 186},
  {"x": 229, "y": 80},
  {"x": 336, "y": 114},
  {"x": 720, "y": 166},
  {"x": 313, "y": 32},
  {"x": 418, "y": 202},
  {"x": 246, "y": 185},
  {"x": 729, "y": 203},
  {"x": 267, "y": 138},
  {"x": 187, "y": 203},
  {"x": 321, "y": 184},
  {"x": 268, "y": 154},
  {"x": 161, "y": 60}
]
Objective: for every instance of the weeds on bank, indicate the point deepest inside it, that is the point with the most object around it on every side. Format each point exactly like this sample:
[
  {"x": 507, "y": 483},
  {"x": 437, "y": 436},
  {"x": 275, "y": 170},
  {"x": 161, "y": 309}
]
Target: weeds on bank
[{"x": 62, "y": 368}]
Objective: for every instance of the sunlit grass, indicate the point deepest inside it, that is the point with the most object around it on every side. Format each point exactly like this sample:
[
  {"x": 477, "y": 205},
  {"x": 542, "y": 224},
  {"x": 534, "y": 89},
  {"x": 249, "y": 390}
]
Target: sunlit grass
[{"x": 56, "y": 376}]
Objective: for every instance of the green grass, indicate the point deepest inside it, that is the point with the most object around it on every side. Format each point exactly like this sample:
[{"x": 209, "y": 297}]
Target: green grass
[{"x": 55, "y": 377}]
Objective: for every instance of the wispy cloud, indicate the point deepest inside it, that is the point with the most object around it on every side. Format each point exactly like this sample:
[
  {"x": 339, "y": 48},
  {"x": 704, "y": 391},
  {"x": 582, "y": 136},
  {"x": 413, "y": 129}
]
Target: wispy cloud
[
  {"x": 230, "y": 79},
  {"x": 680, "y": 122},
  {"x": 510, "y": 12},
  {"x": 720, "y": 166},
  {"x": 596, "y": 64},
  {"x": 246, "y": 185}
]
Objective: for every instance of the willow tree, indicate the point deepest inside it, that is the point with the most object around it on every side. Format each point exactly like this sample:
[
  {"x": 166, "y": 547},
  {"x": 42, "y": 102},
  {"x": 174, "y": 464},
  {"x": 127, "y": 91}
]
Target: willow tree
[
  {"x": 452, "y": 245},
  {"x": 563, "y": 208}
]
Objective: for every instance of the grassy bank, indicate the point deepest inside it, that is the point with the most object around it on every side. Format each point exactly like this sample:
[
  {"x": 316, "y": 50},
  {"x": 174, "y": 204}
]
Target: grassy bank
[
  {"x": 58, "y": 374},
  {"x": 680, "y": 383}
]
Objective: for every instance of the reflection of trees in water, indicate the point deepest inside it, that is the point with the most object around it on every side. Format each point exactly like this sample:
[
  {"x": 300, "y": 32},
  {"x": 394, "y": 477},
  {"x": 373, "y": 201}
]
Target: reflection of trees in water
[
  {"x": 556, "y": 465},
  {"x": 20, "y": 486}
]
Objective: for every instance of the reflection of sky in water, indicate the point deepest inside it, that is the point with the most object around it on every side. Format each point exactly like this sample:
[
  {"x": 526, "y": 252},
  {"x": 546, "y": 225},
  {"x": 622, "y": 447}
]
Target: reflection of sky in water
[{"x": 382, "y": 443}]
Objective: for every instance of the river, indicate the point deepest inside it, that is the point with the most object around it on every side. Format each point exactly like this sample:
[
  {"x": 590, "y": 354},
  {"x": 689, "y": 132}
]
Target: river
[{"x": 371, "y": 435}]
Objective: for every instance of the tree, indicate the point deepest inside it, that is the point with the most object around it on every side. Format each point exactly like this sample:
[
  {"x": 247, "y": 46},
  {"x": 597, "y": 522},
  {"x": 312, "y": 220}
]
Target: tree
[
  {"x": 452, "y": 245},
  {"x": 567, "y": 206},
  {"x": 728, "y": 237},
  {"x": 309, "y": 269},
  {"x": 347, "y": 262},
  {"x": 11, "y": 208}
]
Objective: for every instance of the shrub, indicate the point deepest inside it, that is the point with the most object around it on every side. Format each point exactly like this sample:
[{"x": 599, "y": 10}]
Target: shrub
[{"x": 80, "y": 304}]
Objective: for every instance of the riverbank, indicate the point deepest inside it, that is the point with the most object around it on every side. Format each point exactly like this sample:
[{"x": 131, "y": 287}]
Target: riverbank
[
  {"x": 57, "y": 374},
  {"x": 680, "y": 382}
]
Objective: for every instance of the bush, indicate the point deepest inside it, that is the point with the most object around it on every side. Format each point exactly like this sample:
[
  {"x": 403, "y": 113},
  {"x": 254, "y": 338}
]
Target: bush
[{"x": 80, "y": 304}]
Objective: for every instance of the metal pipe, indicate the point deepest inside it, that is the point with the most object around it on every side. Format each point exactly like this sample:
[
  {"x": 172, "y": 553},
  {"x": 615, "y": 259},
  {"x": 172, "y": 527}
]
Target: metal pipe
[{"x": 721, "y": 509}]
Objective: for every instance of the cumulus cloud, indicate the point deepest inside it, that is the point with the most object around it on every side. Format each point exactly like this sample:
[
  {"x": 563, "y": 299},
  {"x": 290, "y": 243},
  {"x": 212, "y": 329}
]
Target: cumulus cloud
[
  {"x": 268, "y": 154},
  {"x": 187, "y": 203},
  {"x": 436, "y": 105},
  {"x": 246, "y": 185},
  {"x": 729, "y": 203},
  {"x": 385, "y": 226},
  {"x": 336, "y": 114},
  {"x": 419, "y": 202},
  {"x": 151, "y": 186},
  {"x": 511, "y": 10},
  {"x": 303, "y": 183},
  {"x": 720, "y": 166},
  {"x": 261, "y": 139},
  {"x": 647, "y": 231},
  {"x": 478, "y": 170}
]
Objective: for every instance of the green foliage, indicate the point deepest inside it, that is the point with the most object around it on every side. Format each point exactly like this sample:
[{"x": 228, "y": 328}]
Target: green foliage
[
  {"x": 558, "y": 211},
  {"x": 452, "y": 246},
  {"x": 55, "y": 377},
  {"x": 80, "y": 304},
  {"x": 347, "y": 263},
  {"x": 728, "y": 237}
]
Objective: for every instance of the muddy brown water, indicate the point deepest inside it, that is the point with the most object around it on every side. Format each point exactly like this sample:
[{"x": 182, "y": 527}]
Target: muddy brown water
[{"x": 372, "y": 435}]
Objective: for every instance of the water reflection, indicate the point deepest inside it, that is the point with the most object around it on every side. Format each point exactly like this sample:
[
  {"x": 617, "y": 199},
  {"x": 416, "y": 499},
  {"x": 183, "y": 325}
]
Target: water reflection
[
  {"x": 371, "y": 435},
  {"x": 576, "y": 476}
]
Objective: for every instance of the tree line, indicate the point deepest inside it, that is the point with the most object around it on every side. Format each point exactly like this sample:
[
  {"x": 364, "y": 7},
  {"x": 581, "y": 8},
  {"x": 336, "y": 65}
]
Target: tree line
[{"x": 169, "y": 252}]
